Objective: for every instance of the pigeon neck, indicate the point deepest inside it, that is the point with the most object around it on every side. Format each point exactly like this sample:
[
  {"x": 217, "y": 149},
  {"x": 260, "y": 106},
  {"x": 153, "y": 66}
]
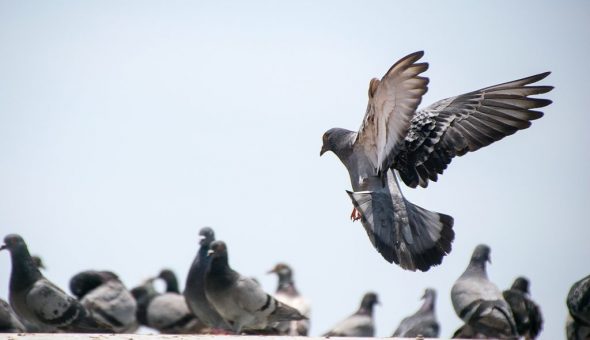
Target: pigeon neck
[
  {"x": 24, "y": 272},
  {"x": 428, "y": 304},
  {"x": 220, "y": 273},
  {"x": 477, "y": 266},
  {"x": 365, "y": 309},
  {"x": 286, "y": 284},
  {"x": 172, "y": 285}
]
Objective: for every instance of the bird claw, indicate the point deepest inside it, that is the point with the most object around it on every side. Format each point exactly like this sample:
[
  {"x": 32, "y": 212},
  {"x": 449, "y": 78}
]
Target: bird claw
[{"x": 355, "y": 215}]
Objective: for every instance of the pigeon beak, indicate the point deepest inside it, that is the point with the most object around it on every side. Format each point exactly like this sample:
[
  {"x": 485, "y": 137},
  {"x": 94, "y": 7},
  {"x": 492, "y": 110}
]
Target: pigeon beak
[
  {"x": 323, "y": 151},
  {"x": 272, "y": 271},
  {"x": 210, "y": 252},
  {"x": 2, "y": 247}
]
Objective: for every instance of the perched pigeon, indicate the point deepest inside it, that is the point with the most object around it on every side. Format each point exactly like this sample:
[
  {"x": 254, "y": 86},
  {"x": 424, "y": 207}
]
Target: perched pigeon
[
  {"x": 578, "y": 304},
  {"x": 9, "y": 322},
  {"x": 167, "y": 313},
  {"x": 106, "y": 298},
  {"x": 422, "y": 323},
  {"x": 194, "y": 290},
  {"x": 288, "y": 294},
  {"x": 40, "y": 303},
  {"x": 478, "y": 302},
  {"x": 359, "y": 324},
  {"x": 420, "y": 145},
  {"x": 527, "y": 314},
  {"x": 239, "y": 300}
]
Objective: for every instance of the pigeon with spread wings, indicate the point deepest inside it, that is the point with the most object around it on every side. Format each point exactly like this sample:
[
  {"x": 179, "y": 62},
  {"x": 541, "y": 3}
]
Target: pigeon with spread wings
[{"x": 420, "y": 145}]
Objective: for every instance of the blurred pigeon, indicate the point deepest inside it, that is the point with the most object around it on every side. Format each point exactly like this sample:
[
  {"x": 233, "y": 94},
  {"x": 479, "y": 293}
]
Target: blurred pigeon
[
  {"x": 420, "y": 145},
  {"x": 238, "y": 299},
  {"x": 478, "y": 302},
  {"x": 170, "y": 279},
  {"x": 39, "y": 302},
  {"x": 527, "y": 314},
  {"x": 167, "y": 313},
  {"x": 194, "y": 290},
  {"x": 359, "y": 324},
  {"x": 38, "y": 262},
  {"x": 422, "y": 323},
  {"x": 288, "y": 294},
  {"x": 578, "y": 304},
  {"x": 9, "y": 322},
  {"x": 106, "y": 298}
]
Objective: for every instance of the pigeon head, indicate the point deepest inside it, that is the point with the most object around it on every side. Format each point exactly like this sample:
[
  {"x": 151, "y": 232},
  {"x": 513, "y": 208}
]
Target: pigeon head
[
  {"x": 282, "y": 270},
  {"x": 335, "y": 140},
  {"x": 86, "y": 281},
  {"x": 429, "y": 293},
  {"x": 217, "y": 250},
  {"x": 13, "y": 242},
  {"x": 38, "y": 262},
  {"x": 170, "y": 278},
  {"x": 369, "y": 300},
  {"x": 206, "y": 236},
  {"x": 521, "y": 284},
  {"x": 481, "y": 254}
]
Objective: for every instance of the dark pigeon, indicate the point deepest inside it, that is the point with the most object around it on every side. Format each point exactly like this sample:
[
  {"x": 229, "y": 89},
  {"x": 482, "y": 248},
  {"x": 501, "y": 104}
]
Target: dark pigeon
[
  {"x": 359, "y": 324},
  {"x": 479, "y": 302},
  {"x": 288, "y": 294},
  {"x": 9, "y": 322},
  {"x": 420, "y": 145},
  {"x": 39, "y": 302},
  {"x": 240, "y": 300},
  {"x": 527, "y": 314},
  {"x": 423, "y": 323},
  {"x": 578, "y": 304},
  {"x": 194, "y": 290},
  {"x": 106, "y": 298}
]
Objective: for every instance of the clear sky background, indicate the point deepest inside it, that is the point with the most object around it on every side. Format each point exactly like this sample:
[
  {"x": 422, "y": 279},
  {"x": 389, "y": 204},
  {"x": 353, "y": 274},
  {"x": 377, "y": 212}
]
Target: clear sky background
[{"x": 127, "y": 126}]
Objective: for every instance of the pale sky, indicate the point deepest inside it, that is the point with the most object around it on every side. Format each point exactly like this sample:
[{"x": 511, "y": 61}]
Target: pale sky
[{"x": 127, "y": 126}]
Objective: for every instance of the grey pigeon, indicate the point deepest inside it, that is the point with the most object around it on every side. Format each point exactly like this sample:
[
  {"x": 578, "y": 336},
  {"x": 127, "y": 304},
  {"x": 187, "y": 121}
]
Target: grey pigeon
[
  {"x": 578, "y": 304},
  {"x": 106, "y": 298},
  {"x": 420, "y": 145},
  {"x": 423, "y": 323},
  {"x": 359, "y": 324},
  {"x": 9, "y": 322},
  {"x": 287, "y": 293},
  {"x": 479, "y": 302},
  {"x": 527, "y": 314},
  {"x": 240, "y": 300},
  {"x": 40, "y": 303},
  {"x": 194, "y": 290},
  {"x": 166, "y": 313}
]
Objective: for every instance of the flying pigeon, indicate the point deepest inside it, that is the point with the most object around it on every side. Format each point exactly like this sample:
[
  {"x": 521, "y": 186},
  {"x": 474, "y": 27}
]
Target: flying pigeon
[
  {"x": 167, "y": 313},
  {"x": 420, "y": 145},
  {"x": 359, "y": 324},
  {"x": 240, "y": 300},
  {"x": 527, "y": 314},
  {"x": 478, "y": 302},
  {"x": 39, "y": 302},
  {"x": 422, "y": 323},
  {"x": 9, "y": 322},
  {"x": 288, "y": 294},
  {"x": 578, "y": 304},
  {"x": 194, "y": 290},
  {"x": 106, "y": 298}
]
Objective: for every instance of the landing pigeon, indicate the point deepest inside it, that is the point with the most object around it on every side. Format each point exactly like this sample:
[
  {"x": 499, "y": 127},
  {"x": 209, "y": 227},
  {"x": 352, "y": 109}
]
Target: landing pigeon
[
  {"x": 420, "y": 145},
  {"x": 479, "y": 302},
  {"x": 359, "y": 324},
  {"x": 578, "y": 304},
  {"x": 239, "y": 300},
  {"x": 39, "y": 302},
  {"x": 194, "y": 290},
  {"x": 9, "y": 322},
  {"x": 423, "y": 323},
  {"x": 527, "y": 314},
  {"x": 288, "y": 294},
  {"x": 106, "y": 298}
]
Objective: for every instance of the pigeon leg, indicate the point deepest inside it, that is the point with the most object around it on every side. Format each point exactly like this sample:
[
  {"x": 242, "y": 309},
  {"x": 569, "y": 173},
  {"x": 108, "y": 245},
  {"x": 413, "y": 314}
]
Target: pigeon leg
[{"x": 355, "y": 215}]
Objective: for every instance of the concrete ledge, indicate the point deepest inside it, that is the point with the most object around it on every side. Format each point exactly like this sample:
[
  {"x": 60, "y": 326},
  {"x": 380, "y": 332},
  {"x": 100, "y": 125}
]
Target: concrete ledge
[{"x": 66, "y": 336}]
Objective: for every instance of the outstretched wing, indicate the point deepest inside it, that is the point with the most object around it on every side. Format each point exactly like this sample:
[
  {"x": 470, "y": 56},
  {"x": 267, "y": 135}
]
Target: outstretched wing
[
  {"x": 393, "y": 100},
  {"x": 454, "y": 126}
]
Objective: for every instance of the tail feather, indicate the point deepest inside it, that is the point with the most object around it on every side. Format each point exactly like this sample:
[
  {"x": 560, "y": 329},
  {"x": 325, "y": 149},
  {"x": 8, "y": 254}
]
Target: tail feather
[
  {"x": 284, "y": 312},
  {"x": 404, "y": 233}
]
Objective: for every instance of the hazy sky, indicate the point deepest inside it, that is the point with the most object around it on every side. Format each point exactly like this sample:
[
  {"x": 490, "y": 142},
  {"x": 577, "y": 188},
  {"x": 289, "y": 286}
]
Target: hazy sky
[{"x": 127, "y": 126}]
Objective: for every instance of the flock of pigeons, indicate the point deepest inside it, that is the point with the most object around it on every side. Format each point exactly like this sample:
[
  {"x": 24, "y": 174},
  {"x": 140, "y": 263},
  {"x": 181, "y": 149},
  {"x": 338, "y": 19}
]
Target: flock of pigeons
[{"x": 395, "y": 139}]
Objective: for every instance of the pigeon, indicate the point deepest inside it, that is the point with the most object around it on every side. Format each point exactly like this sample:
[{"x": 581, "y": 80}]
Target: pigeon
[
  {"x": 242, "y": 302},
  {"x": 359, "y": 324},
  {"x": 527, "y": 314},
  {"x": 106, "y": 298},
  {"x": 40, "y": 303},
  {"x": 9, "y": 322},
  {"x": 288, "y": 294},
  {"x": 194, "y": 290},
  {"x": 578, "y": 304},
  {"x": 478, "y": 302},
  {"x": 422, "y": 323},
  {"x": 167, "y": 312},
  {"x": 419, "y": 145}
]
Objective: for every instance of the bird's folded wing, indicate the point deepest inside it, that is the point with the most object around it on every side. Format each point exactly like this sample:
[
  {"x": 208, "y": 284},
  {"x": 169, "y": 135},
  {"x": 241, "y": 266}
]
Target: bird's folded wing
[
  {"x": 392, "y": 102},
  {"x": 249, "y": 295},
  {"x": 454, "y": 126},
  {"x": 51, "y": 305}
]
